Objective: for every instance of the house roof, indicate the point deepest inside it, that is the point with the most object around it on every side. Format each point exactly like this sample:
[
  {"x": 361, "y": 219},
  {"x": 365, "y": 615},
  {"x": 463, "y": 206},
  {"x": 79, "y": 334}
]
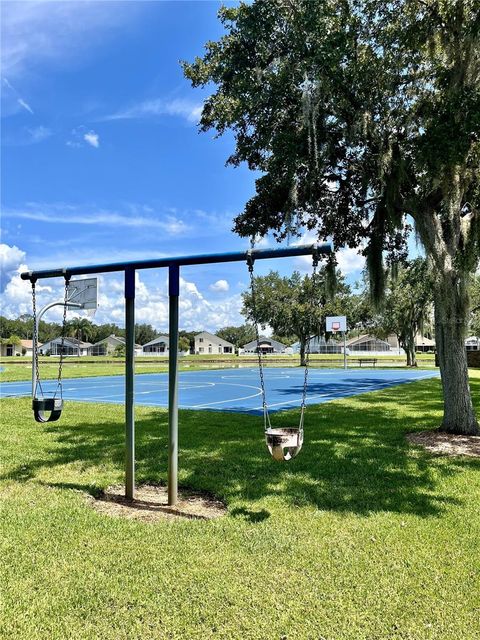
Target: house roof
[
  {"x": 264, "y": 339},
  {"x": 157, "y": 340},
  {"x": 28, "y": 344},
  {"x": 112, "y": 338},
  {"x": 68, "y": 339},
  {"x": 364, "y": 338}
]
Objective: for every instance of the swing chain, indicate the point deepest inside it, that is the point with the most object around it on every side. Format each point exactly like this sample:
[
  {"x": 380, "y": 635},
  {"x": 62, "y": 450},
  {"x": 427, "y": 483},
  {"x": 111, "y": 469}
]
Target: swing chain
[
  {"x": 35, "y": 335},
  {"x": 62, "y": 343},
  {"x": 307, "y": 350},
  {"x": 250, "y": 263}
]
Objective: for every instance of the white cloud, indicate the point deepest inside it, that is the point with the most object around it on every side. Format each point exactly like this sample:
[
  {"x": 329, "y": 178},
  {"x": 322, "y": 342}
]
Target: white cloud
[
  {"x": 38, "y": 134},
  {"x": 69, "y": 215},
  {"x": 220, "y": 285},
  {"x": 80, "y": 136},
  {"x": 11, "y": 257},
  {"x": 92, "y": 139},
  {"x": 151, "y": 304},
  {"x": 186, "y": 109},
  {"x": 25, "y": 105},
  {"x": 11, "y": 99},
  {"x": 350, "y": 261}
]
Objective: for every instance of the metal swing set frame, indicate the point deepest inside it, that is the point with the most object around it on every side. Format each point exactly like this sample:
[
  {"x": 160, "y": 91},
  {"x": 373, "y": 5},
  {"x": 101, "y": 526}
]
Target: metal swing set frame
[{"x": 173, "y": 264}]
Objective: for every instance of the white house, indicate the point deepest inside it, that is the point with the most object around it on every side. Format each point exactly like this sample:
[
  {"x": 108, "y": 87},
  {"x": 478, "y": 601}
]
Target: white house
[
  {"x": 317, "y": 344},
  {"x": 157, "y": 347},
  {"x": 265, "y": 346},
  {"x": 71, "y": 347},
  {"x": 107, "y": 346},
  {"x": 207, "y": 343},
  {"x": 422, "y": 343},
  {"x": 369, "y": 345},
  {"x": 472, "y": 343},
  {"x": 25, "y": 348}
]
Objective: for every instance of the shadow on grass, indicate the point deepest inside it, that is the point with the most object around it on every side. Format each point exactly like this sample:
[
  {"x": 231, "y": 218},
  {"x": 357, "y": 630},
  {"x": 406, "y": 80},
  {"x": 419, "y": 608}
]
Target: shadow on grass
[{"x": 355, "y": 457}]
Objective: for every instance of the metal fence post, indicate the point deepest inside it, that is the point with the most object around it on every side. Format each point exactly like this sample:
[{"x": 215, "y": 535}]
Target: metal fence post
[{"x": 173, "y": 292}]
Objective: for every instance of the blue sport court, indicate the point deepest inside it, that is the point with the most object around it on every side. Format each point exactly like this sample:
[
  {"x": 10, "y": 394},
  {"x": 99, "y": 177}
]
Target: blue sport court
[{"x": 229, "y": 389}]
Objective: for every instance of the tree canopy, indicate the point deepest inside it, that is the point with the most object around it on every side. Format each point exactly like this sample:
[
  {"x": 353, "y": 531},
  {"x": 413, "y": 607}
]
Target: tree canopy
[
  {"x": 357, "y": 114},
  {"x": 238, "y": 336},
  {"x": 295, "y": 304}
]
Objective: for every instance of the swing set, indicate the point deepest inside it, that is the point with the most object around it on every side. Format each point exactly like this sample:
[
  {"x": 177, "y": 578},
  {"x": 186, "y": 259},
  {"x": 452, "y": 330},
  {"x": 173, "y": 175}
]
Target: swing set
[{"x": 283, "y": 443}]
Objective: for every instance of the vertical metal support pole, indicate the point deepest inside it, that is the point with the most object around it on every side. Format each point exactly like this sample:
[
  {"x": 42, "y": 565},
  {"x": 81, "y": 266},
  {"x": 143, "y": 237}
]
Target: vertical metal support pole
[
  {"x": 129, "y": 383},
  {"x": 173, "y": 292},
  {"x": 344, "y": 349}
]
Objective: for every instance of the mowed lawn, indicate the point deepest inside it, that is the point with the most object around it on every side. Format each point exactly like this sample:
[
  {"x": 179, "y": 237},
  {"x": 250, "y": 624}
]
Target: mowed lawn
[{"x": 360, "y": 537}]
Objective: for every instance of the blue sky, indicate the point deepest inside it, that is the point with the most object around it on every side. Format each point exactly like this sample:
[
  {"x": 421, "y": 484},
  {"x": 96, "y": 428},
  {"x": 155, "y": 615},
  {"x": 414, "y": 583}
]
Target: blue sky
[{"x": 102, "y": 160}]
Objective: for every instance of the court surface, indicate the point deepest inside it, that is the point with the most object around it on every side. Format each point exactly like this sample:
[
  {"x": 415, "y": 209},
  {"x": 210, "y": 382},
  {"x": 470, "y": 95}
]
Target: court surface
[{"x": 230, "y": 389}]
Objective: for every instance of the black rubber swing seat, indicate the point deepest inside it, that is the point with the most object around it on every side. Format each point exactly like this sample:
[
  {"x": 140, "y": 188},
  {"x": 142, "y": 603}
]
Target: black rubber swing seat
[
  {"x": 42, "y": 406},
  {"x": 284, "y": 444}
]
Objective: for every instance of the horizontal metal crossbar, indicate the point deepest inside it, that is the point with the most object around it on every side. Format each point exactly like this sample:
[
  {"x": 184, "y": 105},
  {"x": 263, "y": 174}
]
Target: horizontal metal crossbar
[{"x": 257, "y": 254}]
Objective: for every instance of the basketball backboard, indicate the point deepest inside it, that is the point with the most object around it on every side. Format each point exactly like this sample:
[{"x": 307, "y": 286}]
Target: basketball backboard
[
  {"x": 333, "y": 324},
  {"x": 84, "y": 292}
]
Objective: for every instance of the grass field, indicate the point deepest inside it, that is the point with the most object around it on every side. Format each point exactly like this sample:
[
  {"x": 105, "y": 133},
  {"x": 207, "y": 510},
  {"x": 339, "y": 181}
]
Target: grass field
[{"x": 360, "y": 537}]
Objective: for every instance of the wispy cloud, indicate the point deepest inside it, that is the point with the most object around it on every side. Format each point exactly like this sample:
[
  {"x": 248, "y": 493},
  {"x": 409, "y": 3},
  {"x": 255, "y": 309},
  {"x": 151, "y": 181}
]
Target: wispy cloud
[
  {"x": 167, "y": 223},
  {"x": 80, "y": 135},
  {"x": 92, "y": 139},
  {"x": 13, "y": 99},
  {"x": 57, "y": 32},
  {"x": 25, "y": 105},
  {"x": 158, "y": 107},
  {"x": 39, "y": 133}
]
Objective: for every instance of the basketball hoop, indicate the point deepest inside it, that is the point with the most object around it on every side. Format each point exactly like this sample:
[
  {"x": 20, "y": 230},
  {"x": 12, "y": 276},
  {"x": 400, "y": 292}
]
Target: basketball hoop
[{"x": 335, "y": 327}]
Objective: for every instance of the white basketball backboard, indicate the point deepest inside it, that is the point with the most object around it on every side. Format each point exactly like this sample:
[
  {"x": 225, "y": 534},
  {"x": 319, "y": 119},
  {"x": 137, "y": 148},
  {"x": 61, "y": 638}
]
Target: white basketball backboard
[
  {"x": 83, "y": 292},
  {"x": 333, "y": 324}
]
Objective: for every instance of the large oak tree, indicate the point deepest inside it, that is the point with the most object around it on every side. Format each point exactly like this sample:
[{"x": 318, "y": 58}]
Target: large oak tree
[{"x": 356, "y": 114}]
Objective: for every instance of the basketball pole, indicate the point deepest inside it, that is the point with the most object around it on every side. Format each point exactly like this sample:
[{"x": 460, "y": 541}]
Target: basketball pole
[{"x": 344, "y": 349}]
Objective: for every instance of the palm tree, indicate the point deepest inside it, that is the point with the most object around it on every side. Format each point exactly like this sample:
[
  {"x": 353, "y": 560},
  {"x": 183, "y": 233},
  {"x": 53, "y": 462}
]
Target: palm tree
[{"x": 80, "y": 328}]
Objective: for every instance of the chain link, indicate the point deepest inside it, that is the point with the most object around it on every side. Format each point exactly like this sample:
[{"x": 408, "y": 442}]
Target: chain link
[
  {"x": 250, "y": 263},
  {"x": 35, "y": 340},
  {"x": 307, "y": 351},
  {"x": 62, "y": 343}
]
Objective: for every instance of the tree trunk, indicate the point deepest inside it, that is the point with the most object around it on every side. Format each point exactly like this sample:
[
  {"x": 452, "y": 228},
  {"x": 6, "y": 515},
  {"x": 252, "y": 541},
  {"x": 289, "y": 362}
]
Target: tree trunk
[
  {"x": 303, "y": 344},
  {"x": 451, "y": 314},
  {"x": 410, "y": 349}
]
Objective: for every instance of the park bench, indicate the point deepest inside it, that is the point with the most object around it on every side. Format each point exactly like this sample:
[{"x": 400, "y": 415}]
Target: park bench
[{"x": 372, "y": 361}]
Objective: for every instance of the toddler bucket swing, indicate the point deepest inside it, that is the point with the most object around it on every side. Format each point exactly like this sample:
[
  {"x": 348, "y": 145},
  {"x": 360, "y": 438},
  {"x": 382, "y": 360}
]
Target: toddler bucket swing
[
  {"x": 47, "y": 408},
  {"x": 283, "y": 443}
]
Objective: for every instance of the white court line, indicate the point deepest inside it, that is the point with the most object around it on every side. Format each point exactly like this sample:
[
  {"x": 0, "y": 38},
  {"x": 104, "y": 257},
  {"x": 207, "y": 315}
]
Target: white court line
[{"x": 246, "y": 386}]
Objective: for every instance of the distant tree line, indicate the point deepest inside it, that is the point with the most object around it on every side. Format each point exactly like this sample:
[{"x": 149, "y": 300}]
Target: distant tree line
[{"x": 295, "y": 309}]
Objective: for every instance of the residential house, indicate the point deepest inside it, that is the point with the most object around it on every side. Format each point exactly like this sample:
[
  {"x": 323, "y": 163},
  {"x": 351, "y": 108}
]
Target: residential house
[
  {"x": 472, "y": 343},
  {"x": 107, "y": 346},
  {"x": 317, "y": 344},
  {"x": 157, "y": 347},
  {"x": 265, "y": 346},
  {"x": 207, "y": 343},
  {"x": 369, "y": 345},
  {"x": 71, "y": 347},
  {"x": 422, "y": 343}
]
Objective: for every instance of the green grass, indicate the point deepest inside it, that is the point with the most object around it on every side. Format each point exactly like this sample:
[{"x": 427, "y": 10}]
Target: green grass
[{"x": 360, "y": 537}]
